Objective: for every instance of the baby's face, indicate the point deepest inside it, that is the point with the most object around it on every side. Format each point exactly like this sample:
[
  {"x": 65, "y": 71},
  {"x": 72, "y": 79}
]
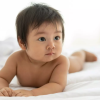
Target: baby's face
[{"x": 45, "y": 43}]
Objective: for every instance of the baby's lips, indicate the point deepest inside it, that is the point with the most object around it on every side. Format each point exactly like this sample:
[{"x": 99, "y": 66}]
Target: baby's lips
[{"x": 50, "y": 53}]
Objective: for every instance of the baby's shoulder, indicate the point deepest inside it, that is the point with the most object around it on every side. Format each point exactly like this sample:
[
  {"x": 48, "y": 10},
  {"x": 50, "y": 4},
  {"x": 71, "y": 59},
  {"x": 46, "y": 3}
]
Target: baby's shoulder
[
  {"x": 18, "y": 55},
  {"x": 61, "y": 59}
]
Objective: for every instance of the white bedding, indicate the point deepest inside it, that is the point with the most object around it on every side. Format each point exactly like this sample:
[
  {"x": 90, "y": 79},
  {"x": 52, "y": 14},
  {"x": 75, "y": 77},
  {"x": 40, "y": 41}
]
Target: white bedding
[{"x": 83, "y": 85}]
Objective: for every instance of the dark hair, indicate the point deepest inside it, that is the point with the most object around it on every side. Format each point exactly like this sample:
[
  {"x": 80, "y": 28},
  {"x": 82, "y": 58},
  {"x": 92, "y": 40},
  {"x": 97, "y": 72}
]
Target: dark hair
[{"x": 35, "y": 15}]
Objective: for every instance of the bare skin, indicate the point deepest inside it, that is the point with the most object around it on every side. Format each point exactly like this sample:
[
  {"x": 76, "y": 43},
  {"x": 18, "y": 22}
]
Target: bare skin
[
  {"x": 30, "y": 75},
  {"x": 34, "y": 68},
  {"x": 34, "y": 76},
  {"x": 78, "y": 58}
]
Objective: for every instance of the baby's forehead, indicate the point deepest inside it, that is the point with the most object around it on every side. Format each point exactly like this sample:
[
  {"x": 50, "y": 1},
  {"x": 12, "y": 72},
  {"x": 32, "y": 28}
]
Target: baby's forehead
[{"x": 45, "y": 25}]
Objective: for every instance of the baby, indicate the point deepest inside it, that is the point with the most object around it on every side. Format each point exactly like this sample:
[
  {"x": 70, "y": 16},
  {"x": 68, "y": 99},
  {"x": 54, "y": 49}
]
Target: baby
[{"x": 40, "y": 34}]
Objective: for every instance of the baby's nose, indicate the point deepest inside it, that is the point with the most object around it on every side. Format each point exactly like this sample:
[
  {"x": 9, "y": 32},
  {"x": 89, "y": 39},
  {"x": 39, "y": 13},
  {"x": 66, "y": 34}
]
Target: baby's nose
[{"x": 51, "y": 46}]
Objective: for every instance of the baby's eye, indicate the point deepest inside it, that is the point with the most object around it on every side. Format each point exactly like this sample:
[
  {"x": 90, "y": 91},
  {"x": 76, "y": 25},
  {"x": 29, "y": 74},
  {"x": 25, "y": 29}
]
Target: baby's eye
[
  {"x": 42, "y": 39},
  {"x": 57, "y": 37}
]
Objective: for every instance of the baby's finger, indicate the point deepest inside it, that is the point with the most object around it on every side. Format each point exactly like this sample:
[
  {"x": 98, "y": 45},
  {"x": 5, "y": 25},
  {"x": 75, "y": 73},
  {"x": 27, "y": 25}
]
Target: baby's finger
[
  {"x": 9, "y": 91},
  {"x": 1, "y": 94},
  {"x": 4, "y": 92},
  {"x": 24, "y": 95},
  {"x": 14, "y": 93},
  {"x": 20, "y": 94}
]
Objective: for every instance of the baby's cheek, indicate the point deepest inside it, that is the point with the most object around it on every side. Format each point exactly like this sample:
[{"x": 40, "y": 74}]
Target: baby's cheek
[
  {"x": 59, "y": 49},
  {"x": 38, "y": 54}
]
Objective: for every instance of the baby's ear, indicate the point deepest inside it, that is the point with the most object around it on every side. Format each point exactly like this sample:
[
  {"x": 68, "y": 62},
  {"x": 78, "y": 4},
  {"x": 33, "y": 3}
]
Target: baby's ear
[{"x": 21, "y": 44}]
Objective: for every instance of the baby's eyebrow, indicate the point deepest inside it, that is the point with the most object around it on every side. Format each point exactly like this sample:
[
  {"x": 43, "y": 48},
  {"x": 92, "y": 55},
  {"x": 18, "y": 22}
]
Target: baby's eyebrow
[
  {"x": 58, "y": 31},
  {"x": 38, "y": 33}
]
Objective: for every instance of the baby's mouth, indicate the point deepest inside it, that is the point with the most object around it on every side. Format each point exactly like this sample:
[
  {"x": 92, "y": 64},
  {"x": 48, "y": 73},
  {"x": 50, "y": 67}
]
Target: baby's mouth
[{"x": 50, "y": 54}]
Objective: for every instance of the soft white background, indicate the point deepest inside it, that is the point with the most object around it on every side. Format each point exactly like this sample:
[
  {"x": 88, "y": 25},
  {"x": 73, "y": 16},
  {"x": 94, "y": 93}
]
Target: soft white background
[{"x": 82, "y": 20}]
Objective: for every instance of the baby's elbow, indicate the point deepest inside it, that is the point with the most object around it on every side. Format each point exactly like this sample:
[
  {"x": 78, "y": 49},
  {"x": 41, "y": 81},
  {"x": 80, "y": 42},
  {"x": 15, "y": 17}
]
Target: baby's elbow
[{"x": 61, "y": 87}]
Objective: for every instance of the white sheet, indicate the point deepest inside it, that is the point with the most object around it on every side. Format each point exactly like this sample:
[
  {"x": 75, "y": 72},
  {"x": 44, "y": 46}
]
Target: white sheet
[{"x": 83, "y": 85}]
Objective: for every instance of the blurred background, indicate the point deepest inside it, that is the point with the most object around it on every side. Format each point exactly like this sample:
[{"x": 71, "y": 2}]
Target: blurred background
[{"x": 81, "y": 17}]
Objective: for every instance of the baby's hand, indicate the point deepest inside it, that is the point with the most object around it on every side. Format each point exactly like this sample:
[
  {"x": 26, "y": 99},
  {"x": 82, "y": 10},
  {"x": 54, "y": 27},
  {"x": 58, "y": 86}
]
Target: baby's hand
[
  {"x": 22, "y": 92},
  {"x": 6, "y": 91}
]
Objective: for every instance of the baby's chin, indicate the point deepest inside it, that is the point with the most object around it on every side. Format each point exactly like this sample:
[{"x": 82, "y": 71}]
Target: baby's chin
[
  {"x": 48, "y": 60},
  {"x": 53, "y": 58}
]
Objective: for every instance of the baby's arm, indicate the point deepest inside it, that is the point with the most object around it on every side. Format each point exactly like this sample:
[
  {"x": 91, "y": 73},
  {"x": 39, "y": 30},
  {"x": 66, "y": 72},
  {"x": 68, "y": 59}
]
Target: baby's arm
[
  {"x": 57, "y": 81},
  {"x": 8, "y": 72}
]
